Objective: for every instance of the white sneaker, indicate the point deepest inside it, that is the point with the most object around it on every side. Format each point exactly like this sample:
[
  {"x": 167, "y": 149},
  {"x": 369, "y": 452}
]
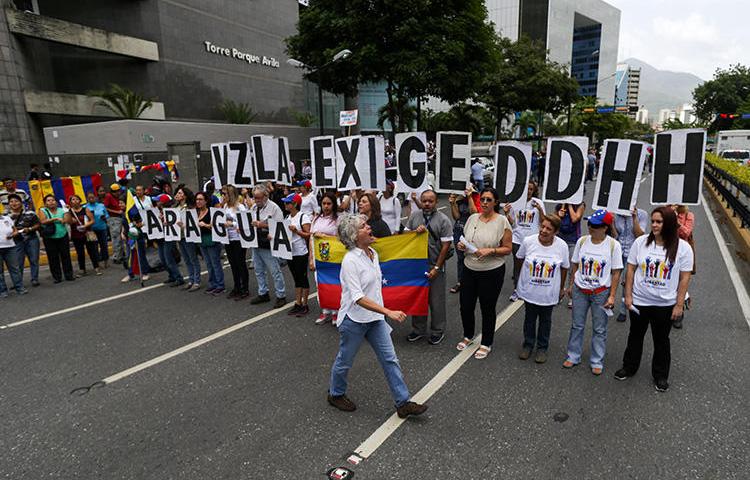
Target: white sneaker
[
  {"x": 125, "y": 279},
  {"x": 145, "y": 277}
]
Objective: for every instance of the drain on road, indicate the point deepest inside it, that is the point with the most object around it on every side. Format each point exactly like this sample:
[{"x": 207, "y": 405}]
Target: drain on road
[{"x": 561, "y": 417}]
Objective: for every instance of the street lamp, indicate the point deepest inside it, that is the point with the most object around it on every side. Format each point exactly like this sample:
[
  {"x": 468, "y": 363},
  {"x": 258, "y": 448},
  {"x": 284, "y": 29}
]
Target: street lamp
[{"x": 341, "y": 55}]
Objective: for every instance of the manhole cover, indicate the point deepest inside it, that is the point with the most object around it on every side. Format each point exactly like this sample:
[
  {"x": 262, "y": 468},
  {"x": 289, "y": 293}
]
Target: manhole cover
[{"x": 561, "y": 417}]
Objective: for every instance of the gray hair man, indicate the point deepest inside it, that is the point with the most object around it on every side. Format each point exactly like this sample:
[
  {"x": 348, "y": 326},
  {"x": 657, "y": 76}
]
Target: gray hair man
[
  {"x": 362, "y": 317},
  {"x": 261, "y": 212},
  {"x": 440, "y": 235}
]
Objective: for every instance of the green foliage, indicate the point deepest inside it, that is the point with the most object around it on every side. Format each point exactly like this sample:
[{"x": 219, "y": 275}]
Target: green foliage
[
  {"x": 237, "y": 113},
  {"x": 418, "y": 48},
  {"x": 727, "y": 92},
  {"x": 604, "y": 125},
  {"x": 122, "y": 102},
  {"x": 304, "y": 119},
  {"x": 526, "y": 80},
  {"x": 462, "y": 117},
  {"x": 740, "y": 172},
  {"x": 400, "y": 115}
]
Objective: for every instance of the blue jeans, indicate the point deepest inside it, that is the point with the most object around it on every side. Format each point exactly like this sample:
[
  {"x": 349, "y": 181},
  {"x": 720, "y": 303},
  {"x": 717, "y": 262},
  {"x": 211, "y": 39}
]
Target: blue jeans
[
  {"x": 190, "y": 255},
  {"x": 263, "y": 260},
  {"x": 101, "y": 239},
  {"x": 378, "y": 335},
  {"x": 9, "y": 257},
  {"x": 29, "y": 248},
  {"x": 212, "y": 256},
  {"x": 581, "y": 305},
  {"x": 166, "y": 255},
  {"x": 533, "y": 336}
]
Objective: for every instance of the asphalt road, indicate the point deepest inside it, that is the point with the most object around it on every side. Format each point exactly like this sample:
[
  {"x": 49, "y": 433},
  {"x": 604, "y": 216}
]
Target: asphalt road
[{"x": 251, "y": 403}]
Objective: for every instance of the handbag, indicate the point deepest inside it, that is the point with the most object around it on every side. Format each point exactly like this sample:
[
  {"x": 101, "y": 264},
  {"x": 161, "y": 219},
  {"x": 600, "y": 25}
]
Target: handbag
[
  {"x": 89, "y": 235},
  {"x": 47, "y": 229}
]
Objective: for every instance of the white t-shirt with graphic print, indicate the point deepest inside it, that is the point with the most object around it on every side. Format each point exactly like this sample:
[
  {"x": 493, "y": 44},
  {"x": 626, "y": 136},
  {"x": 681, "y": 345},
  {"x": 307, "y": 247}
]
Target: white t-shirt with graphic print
[
  {"x": 596, "y": 262},
  {"x": 539, "y": 281},
  {"x": 527, "y": 222},
  {"x": 656, "y": 279}
]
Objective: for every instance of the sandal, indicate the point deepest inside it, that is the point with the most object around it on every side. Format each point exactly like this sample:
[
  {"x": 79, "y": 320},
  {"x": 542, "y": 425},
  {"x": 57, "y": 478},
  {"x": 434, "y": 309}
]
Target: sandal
[
  {"x": 463, "y": 344},
  {"x": 482, "y": 352},
  {"x": 456, "y": 288}
]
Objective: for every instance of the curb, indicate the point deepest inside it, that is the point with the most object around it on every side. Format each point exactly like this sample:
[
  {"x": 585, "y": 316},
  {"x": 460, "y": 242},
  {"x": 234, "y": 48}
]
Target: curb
[{"x": 741, "y": 235}]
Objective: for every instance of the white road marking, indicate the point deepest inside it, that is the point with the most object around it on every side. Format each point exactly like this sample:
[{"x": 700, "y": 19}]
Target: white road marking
[
  {"x": 739, "y": 286},
  {"x": 644, "y": 179},
  {"x": 86, "y": 305},
  {"x": 380, "y": 435},
  {"x": 190, "y": 346}
]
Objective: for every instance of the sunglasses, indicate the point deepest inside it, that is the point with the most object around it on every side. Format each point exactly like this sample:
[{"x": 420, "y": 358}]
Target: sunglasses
[{"x": 486, "y": 199}]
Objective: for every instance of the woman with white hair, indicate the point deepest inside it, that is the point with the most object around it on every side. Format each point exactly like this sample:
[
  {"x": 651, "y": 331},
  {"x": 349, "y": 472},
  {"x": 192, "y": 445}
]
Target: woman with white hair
[{"x": 362, "y": 317}]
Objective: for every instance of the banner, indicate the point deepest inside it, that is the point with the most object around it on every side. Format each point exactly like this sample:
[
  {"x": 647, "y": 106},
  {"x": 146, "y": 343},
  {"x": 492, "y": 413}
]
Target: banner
[
  {"x": 152, "y": 220},
  {"x": 218, "y": 226},
  {"x": 323, "y": 155},
  {"x": 403, "y": 262},
  {"x": 453, "y": 162},
  {"x": 284, "y": 171},
  {"x": 565, "y": 171},
  {"x": 232, "y": 164},
  {"x": 265, "y": 158},
  {"x": 281, "y": 238},
  {"x": 172, "y": 231},
  {"x": 248, "y": 233},
  {"x": 619, "y": 176},
  {"x": 411, "y": 161},
  {"x": 679, "y": 156},
  {"x": 512, "y": 173},
  {"x": 63, "y": 187},
  {"x": 192, "y": 230}
]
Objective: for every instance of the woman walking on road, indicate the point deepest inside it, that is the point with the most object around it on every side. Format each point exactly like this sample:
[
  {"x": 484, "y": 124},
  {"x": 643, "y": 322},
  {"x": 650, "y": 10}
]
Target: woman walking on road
[
  {"x": 84, "y": 239},
  {"x": 56, "y": 240},
  {"x": 658, "y": 276},
  {"x": 210, "y": 250},
  {"x": 489, "y": 235},
  {"x": 324, "y": 225},
  {"x": 362, "y": 318}
]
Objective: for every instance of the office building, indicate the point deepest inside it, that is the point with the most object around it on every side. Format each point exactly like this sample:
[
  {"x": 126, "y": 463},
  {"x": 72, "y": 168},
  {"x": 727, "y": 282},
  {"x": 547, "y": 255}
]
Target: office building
[
  {"x": 642, "y": 116},
  {"x": 583, "y": 34},
  {"x": 627, "y": 85}
]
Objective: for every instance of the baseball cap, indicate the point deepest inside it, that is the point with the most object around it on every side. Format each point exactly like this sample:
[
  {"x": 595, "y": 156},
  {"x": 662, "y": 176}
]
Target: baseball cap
[
  {"x": 306, "y": 183},
  {"x": 293, "y": 198},
  {"x": 164, "y": 198},
  {"x": 114, "y": 186},
  {"x": 601, "y": 217}
]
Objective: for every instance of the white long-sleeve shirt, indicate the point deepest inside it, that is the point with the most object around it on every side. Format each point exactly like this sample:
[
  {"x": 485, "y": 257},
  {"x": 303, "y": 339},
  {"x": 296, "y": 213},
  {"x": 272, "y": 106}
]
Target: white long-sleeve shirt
[{"x": 360, "y": 277}]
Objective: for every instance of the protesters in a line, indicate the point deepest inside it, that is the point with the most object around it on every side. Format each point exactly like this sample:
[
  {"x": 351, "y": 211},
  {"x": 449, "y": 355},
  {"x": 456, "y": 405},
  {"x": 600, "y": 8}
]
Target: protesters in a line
[
  {"x": 262, "y": 212},
  {"x": 100, "y": 228},
  {"x": 369, "y": 206},
  {"x": 570, "y": 226},
  {"x": 461, "y": 209},
  {"x": 26, "y": 227},
  {"x": 628, "y": 228},
  {"x": 10, "y": 189},
  {"x": 541, "y": 284},
  {"x": 186, "y": 200},
  {"x": 56, "y": 240},
  {"x": 390, "y": 207},
  {"x": 309, "y": 201},
  {"x": 133, "y": 238},
  {"x": 142, "y": 202},
  {"x": 525, "y": 222},
  {"x": 324, "y": 225},
  {"x": 685, "y": 223},
  {"x": 595, "y": 273},
  {"x": 84, "y": 239},
  {"x": 9, "y": 258},
  {"x": 659, "y": 271},
  {"x": 490, "y": 240},
  {"x": 111, "y": 202},
  {"x": 167, "y": 249},
  {"x": 299, "y": 224},
  {"x": 362, "y": 318},
  {"x": 440, "y": 235},
  {"x": 236, "y": 254},
  {"x": 210, "y": 250}
]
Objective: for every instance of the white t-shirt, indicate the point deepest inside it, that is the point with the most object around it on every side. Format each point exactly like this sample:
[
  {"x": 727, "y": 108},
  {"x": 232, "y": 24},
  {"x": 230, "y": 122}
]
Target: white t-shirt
[
  {"x": 231, "y": 215},
  {"x": 539, "y": 282},
  {"x": 390, "y": 211},
  {"x": 309, "y": 204},
  {"x": 527, "y": 221},
  {"x": 656, "y": 279},
  {"x": 299, "y": 244},
  {"x": 596, "y": 262}
]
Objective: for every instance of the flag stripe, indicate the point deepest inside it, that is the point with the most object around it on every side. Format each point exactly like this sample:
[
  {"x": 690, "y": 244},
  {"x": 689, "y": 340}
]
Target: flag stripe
[{"x": 396, "y": 273}]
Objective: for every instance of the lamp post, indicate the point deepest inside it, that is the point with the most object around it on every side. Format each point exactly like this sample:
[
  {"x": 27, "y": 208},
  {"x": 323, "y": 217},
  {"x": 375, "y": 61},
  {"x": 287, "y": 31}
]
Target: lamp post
[{"x": 342, "y": 55}]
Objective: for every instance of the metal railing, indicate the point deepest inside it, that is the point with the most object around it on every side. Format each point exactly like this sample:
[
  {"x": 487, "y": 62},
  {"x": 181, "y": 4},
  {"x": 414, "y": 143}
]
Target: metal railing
[{"x": 731, "y": 191}]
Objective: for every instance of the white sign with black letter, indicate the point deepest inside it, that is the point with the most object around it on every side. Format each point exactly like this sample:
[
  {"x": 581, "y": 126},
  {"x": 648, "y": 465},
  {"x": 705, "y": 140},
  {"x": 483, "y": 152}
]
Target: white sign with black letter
[
  {"x": 152, "y": 220},
  {"x": 348, "y": 176},
  {"x": 219, "y": 162},
  {"x": 245, "y": 228},
  {"x": 218, "y": 226},
  {"x": 171, "y": 229},
  {"x": 192, "y": 230},
  {"x": 281, "y": 238},
  {"x": 619, "y": 176},
  {"x": 565, "y": 169},
  {"x": 371, "y": 162},
  {"x": 265, "y": 158},
  {"x": 411, "y": 161},
  {"x": 679, "y": 156},
  {"x": 452, "y": 167},
  {"x": 512, "y": 173},
  {"x": 283, "y": 170},
  {"x": 231, "y": 164},
  {"x": 323, "y": 155}
]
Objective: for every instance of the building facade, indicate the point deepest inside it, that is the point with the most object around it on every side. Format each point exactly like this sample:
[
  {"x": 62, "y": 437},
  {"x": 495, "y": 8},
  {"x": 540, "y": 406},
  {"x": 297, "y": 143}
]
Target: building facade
[
  {"x": 188, "y": 55},
  {"x": 627, "y": 86},
  {"x": 582, "y": 34}
]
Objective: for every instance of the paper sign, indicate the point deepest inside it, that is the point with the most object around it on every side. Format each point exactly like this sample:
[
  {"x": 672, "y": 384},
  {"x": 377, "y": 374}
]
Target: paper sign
[{"x": 348, "y": 118}]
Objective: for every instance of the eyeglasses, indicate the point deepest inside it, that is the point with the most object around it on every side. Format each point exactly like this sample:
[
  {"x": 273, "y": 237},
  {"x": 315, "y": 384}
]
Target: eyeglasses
[{"x": 486, "y": 200}]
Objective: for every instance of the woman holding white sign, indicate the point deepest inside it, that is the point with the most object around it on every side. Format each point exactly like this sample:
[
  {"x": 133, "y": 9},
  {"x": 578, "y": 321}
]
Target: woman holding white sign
[
  {"x": 486, "y": 241},
  {"x": 658, "y": 276},
  {"x": 186, "y": 200},
  {"x": 235, "y": 253},
  {"x": 299, "y": 224},
  {"x": 210, "y": 250}
]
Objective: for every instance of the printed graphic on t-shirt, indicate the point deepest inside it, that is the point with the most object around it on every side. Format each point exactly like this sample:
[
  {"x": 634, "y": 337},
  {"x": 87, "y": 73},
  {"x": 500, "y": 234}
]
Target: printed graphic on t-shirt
[
  {"x": 656, "y": 271},
  {"x": 525, "y": 218},
  {"x": 542, "y": 270},
  {"x": 592, "y": 268}
]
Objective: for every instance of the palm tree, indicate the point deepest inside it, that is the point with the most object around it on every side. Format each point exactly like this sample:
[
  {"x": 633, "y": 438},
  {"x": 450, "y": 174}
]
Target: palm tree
[
  {"x": 122, "y": 102},
  {"x": 526, "y": 121},
  {"x": 401, "y": 118},
  {"x": 237, "y": 113}
]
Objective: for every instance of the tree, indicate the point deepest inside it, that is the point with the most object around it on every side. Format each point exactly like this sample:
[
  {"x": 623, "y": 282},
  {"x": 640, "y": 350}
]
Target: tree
[
  {"x": 122, "y": 102},
  {"x": 526, "y": 80},
  {"x": 418, "y": 48},
  {"x": 401, "y": 115},
  {"x": 725, "y": 93},
  {"x": 238, "y": 113},
  {"x": 304, "y": 119}
]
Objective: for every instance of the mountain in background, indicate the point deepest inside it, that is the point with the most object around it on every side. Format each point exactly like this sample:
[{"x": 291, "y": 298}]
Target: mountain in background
[{"x": 663, "y": 89}]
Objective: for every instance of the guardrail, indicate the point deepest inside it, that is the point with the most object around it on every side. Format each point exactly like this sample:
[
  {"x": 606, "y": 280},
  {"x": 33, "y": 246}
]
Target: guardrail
[{"x": 731, "y": 191}]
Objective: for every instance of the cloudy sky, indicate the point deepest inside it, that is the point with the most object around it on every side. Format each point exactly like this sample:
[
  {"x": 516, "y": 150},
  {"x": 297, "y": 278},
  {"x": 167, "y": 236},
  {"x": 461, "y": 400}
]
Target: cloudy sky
[{"x": 693, "y": 36}]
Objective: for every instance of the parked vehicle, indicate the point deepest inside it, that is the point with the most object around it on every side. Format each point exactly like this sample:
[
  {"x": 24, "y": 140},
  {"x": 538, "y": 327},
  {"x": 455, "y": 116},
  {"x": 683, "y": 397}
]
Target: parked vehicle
[
  {"x": 732, "y": 140},
  {"x": 739, "y": 156}
]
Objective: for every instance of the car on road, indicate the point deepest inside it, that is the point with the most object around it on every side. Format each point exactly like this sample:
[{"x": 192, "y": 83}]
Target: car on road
[{"x": 739, "y": 156}]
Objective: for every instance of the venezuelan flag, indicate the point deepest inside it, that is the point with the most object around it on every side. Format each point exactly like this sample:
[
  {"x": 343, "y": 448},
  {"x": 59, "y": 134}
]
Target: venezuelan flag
[
  {"x": 130, "y": 207},
  {"x": 403, "y": 261}
]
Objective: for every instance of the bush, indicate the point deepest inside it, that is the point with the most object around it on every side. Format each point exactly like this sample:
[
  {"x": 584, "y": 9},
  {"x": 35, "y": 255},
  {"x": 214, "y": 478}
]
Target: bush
[{"x": 739, "y": 172}]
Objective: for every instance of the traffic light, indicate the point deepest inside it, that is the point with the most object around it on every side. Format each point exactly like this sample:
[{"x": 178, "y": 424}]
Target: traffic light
[{"x": 728, "y": 116}]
